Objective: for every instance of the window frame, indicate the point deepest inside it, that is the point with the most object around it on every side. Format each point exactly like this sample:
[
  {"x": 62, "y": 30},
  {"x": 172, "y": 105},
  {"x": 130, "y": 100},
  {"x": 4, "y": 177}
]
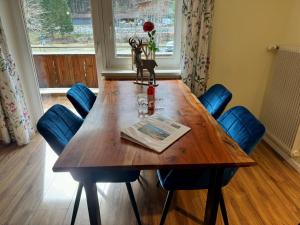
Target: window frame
[{"x": 113, "y": 62}]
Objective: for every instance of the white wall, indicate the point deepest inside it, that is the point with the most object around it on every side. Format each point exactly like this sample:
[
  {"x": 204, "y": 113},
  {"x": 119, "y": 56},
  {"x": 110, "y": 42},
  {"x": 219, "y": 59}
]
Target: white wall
[
  {"x": 242, "y": 30},
  {"x": 291, "y": 32}
]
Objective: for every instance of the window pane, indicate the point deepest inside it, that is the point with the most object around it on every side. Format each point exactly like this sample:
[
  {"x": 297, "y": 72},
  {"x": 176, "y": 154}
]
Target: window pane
[
  {"x": 130, "y": 15},
  {"x": 59, "y": 26}
]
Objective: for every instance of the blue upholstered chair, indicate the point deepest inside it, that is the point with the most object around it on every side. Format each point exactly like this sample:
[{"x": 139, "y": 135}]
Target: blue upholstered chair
[
  {"x": 58, "y": 125},
  {"x": 242, "y": 127},
  {"x": 82, "y": 98},
  {"x": 215, "y": 99}
]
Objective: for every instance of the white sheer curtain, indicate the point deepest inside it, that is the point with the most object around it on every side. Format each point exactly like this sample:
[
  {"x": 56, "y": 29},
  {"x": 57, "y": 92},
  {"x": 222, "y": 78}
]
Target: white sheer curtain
[{"x": 15, "y": 122}]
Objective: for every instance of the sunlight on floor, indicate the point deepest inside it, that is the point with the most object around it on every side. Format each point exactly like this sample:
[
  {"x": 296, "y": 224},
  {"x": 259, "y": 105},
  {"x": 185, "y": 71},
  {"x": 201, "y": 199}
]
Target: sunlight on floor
[{"x": 61, "y": 186}]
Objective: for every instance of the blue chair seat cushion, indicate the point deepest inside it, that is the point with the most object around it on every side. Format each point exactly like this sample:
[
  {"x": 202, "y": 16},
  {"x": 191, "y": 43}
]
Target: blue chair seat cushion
[
  {"x": 189, "y": 179},
  {"x": 107, "y": 175}
]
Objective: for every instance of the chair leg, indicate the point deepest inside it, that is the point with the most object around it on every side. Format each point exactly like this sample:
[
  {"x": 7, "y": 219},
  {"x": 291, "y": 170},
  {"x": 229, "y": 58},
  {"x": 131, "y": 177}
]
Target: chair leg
[
  {"x": 223, "y": 209},
  {"x": 140, "y": 178},
  {"x": 133, "y": 203},
  {"x": 157, "y": 183},
  {"x": 76, "y": 204},
  {"x": 166, "y": 207}
]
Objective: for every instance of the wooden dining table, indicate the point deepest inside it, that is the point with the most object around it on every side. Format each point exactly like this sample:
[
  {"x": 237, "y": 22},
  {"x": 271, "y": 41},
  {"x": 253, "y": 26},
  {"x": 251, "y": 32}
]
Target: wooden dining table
[{"x": 98, "y": 144}]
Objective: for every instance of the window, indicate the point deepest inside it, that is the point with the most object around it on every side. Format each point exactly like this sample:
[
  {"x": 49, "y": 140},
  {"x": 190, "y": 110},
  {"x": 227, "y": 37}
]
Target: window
[
  {"x": 123, "y": 19},
  {"x": 59, "y": 26},
  {"x": 129, "y": 17}
]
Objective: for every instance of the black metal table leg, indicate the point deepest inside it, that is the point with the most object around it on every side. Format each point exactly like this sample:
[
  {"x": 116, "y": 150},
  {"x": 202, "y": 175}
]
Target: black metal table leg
[
  {"x": 76, "y": 204},
  {"x": 223, "y": 209},
  {"x": 213, "y": 196},
  {"x": 166, "y": 207},
  {"x": 92, "y": 202},
  {"x": 133, "y": 203}
]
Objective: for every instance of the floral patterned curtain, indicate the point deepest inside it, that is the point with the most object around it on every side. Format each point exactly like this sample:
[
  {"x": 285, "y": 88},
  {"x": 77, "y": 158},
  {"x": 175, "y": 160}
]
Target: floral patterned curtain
[
  {"x": 196, "y": 35},
  {"x": 15, "y": 123}
]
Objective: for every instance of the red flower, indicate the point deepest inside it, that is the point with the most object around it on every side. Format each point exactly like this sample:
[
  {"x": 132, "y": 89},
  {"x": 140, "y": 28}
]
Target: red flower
[{"x": 148, "y": 26}]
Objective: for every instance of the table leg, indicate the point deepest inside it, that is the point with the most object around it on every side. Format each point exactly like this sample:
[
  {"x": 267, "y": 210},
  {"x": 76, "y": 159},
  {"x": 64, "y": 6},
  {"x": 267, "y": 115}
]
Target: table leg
[
  {"x": 213, "y": 196},
  {"x": 92, "y": 202}
]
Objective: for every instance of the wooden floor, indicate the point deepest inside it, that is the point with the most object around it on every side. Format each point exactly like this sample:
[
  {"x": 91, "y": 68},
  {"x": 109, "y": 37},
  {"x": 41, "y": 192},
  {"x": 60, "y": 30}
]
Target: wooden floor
[{"x": 30, "y": 193}]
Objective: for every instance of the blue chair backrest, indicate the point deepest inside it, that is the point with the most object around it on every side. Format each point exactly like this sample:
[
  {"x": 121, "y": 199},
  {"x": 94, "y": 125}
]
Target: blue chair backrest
[
  {"x": 242, "y": 126},
  {"x": 215, "y": 99},
  {"x": 58, "y": 125},
  {"x": 82, "y": 98}
]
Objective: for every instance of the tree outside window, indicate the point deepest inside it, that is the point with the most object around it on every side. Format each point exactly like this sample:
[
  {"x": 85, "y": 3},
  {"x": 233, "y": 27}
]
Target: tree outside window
[{"x": 57, "y": 26}]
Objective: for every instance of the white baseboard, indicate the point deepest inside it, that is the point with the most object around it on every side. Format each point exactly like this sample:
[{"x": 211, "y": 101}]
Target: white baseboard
[{"x": 294, "y": 162}]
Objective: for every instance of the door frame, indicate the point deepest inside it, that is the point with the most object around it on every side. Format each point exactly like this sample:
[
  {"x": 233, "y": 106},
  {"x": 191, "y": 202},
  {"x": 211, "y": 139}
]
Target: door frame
[
  {"x": 13, "y": 22},
  {"x": 19, "y": 39},
  {"x": 98, "y": 31}
]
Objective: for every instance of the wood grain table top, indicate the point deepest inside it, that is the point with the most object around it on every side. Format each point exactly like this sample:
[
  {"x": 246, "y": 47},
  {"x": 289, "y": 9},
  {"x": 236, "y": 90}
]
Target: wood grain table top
[{"x": 98, "y": 144}]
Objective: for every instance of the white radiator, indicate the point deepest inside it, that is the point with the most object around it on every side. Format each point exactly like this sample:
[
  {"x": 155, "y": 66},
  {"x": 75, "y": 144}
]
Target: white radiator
[{"x": 281, "y": 107}]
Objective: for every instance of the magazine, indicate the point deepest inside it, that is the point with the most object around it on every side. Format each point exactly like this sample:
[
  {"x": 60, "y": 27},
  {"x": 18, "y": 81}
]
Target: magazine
[{"x": 155, "y": 132}]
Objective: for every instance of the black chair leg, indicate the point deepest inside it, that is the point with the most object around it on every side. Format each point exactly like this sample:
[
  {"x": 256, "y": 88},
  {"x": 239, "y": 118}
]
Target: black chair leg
[
  {"x": 166, "y": 207},
  {"x": 76, "y": 204},
  {"x": 157, "y": 184},
  {"x": 133, "y": 203},
  {"x": 223, "y": 209}
]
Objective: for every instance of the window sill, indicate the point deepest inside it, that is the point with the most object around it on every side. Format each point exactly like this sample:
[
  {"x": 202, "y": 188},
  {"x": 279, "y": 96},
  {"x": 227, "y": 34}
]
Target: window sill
[{"x": 130, "y": 74}]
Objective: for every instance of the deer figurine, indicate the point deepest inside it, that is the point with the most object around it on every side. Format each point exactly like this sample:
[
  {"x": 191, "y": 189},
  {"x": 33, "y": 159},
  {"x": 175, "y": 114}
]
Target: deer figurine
[{"x": 142, "y": 64}]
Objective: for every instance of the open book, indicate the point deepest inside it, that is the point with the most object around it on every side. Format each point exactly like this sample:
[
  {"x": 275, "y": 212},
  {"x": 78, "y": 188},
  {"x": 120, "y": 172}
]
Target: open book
[{"x": 155, "y": 132}]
